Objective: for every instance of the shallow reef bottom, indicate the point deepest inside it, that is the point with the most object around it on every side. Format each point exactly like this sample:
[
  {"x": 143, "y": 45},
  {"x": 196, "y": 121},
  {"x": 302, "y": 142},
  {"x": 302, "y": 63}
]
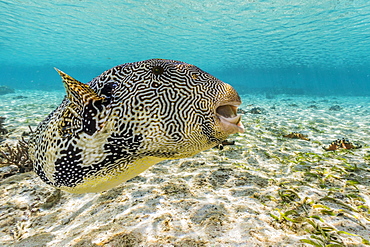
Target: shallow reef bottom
[{"x": 266, "y": 190}]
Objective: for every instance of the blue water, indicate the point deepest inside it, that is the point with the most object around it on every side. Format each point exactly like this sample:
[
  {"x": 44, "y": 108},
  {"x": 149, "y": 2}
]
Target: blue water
[{"x": 298, "y": 47}]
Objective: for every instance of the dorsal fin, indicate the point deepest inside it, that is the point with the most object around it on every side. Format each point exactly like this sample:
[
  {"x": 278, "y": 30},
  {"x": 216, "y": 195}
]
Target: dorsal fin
[
  {"x": 81, "y": 113},
  {"x": 78, "y": 92}
]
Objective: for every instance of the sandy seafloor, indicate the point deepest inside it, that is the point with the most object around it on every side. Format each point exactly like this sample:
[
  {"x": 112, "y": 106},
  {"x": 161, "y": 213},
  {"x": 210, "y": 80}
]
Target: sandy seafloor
[{"x": 266, "y": 190}]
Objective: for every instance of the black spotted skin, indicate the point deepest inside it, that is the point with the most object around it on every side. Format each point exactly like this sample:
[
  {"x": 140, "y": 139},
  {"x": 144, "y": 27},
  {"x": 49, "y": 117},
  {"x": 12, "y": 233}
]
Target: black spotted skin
[{"x": 125, "y": 120}]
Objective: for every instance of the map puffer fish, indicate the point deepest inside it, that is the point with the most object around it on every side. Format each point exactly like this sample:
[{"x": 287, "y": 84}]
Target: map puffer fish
[{"x": 129, "y": 118}]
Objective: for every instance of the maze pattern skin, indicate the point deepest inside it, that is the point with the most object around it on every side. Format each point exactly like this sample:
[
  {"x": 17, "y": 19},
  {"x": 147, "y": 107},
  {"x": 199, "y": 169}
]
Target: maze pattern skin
[{"x": 127, "y": 119}]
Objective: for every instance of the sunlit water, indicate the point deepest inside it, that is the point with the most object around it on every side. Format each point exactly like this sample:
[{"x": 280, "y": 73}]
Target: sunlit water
[
  {"x": 269, "y": 50},
  {"x": 297, "y": 47}
]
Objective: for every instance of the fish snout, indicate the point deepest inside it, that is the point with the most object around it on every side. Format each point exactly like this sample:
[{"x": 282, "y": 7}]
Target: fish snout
[{"x": 230, "y": 120}]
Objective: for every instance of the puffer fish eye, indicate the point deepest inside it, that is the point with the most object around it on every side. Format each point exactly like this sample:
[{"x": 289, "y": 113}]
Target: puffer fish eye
[{"x": 158, "y": 70}]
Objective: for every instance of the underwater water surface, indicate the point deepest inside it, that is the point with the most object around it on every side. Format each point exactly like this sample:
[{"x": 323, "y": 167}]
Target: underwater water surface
[{"x": 277, "y": 46}]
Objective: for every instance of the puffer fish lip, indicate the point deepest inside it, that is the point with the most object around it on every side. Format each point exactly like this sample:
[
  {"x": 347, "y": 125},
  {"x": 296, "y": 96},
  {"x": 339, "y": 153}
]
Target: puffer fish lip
[
  {"x": 230, "y": 120},
  {"x": 232, "y": 125}
]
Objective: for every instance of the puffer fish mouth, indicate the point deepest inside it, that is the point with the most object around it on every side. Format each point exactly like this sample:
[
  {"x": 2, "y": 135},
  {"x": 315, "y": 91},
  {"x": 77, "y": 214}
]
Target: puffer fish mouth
[{"x": 230, "y": 120}]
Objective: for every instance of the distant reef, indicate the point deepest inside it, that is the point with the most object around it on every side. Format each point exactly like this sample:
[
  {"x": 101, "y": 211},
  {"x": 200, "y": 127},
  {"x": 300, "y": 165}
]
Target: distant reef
[
  {"x": 271, "y": 92},
  {"x": 6, "y": 90}
]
